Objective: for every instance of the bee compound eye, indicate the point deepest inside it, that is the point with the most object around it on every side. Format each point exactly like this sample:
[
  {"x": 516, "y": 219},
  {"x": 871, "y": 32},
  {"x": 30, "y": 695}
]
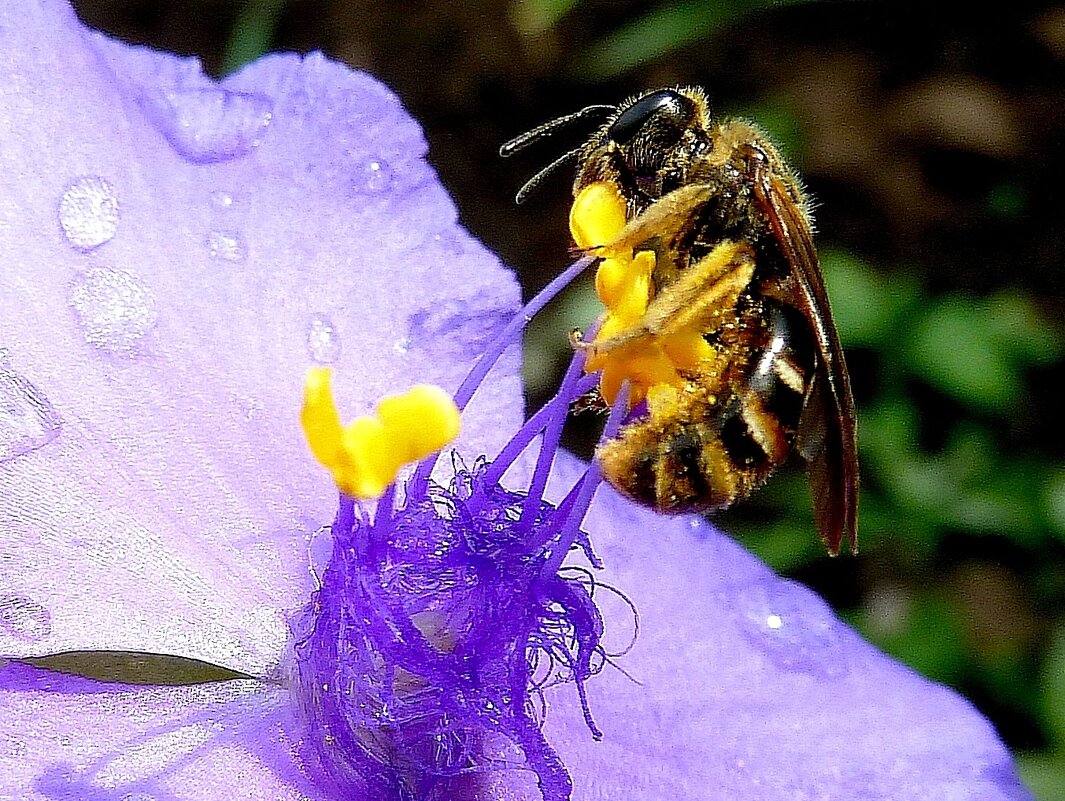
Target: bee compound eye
[{"x": 667, "y": 109}]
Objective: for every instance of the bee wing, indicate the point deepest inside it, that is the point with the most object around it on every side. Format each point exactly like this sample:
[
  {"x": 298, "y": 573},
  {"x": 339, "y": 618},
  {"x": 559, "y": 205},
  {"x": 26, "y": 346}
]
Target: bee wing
[{"x": 827, "y": 436}]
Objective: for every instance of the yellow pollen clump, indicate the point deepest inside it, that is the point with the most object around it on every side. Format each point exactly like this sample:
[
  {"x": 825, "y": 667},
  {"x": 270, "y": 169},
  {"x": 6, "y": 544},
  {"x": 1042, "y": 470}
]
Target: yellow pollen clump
[
  {"x": 366, "y": 455},
  {"x": 624, "y": 284},
  {"x": 597, "y": 216}
]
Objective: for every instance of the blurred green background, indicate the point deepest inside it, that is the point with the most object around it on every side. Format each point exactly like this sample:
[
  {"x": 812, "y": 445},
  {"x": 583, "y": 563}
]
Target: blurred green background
[{"x": 931, "y": 137}]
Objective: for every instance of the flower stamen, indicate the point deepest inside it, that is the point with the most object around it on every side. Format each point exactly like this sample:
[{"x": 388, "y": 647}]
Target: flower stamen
[{"x": 366, "y": 455}]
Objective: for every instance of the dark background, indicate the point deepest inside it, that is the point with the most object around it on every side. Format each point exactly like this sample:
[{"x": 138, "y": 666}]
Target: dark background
[{"x": 931, "y": 137}]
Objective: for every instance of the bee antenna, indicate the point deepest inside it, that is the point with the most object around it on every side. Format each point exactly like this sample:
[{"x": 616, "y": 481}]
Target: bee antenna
[
  {"x": 535, "y": 181},
  {"x": 519, "y": 143}
]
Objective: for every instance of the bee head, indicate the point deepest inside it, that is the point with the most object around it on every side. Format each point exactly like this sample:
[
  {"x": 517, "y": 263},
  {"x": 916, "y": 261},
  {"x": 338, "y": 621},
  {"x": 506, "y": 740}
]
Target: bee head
[
  {"x": 653, "y": 140},
  {"x": 646, "y": 146}
]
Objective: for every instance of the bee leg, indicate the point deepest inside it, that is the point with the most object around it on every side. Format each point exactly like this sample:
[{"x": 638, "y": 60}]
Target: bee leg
[
  {"x": 674, "y": 212},
  {"x": 695, "y": 300}
]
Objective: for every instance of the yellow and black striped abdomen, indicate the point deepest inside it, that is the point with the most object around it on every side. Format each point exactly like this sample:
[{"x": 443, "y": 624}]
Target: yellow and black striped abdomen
[{"x": 720, "y": 436}]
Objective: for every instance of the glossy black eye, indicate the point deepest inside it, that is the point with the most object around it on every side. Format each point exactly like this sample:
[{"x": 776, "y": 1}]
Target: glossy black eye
[{"x": 667, "y": 110}]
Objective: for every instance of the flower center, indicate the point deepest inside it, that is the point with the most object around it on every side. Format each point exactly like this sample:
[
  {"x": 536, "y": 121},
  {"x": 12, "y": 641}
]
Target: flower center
[{"x": 442, "y": 616}]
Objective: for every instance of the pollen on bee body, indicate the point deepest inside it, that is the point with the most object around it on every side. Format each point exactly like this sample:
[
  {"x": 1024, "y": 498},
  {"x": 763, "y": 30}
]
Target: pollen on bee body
[{"x": 625, "y": 286}]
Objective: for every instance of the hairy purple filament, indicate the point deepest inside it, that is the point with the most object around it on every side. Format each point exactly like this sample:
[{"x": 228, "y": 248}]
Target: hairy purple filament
[{"x": 438, "y": 623}]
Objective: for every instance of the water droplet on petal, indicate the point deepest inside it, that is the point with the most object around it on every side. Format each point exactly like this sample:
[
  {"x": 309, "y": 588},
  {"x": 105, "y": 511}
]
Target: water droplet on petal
[
  {"x": 401, "y": 346},
  {"x": 373, "y": 178},
  {"x": 459, "y": 326},
  {"x": 226, "y": 245},
  {"x": 88, "y": 212},
  {"x": 27, "y": 420},
  {"x": 16, "y": 748},
  {"x": 24, "y": 618},
  {"x": 792, "y": 626},
  {"x": 211, "y": 124},
  {"x": 138, "y": 796},
  {"x": 221, "y": 199},
  {"x": 320, "y": 550},
  {"x": 115, "y": 308},
  {"x": 323, "y": 340}
]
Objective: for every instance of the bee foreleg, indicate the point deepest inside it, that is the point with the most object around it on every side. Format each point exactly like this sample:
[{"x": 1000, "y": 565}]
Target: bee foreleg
[
  {"x": 701, "y": 295},
  {"x": 708, "y": 289},
  {"x": 673, "y": 212}
]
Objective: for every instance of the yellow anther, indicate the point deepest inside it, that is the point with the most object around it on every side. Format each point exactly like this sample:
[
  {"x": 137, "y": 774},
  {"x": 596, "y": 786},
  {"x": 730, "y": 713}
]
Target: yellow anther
[
  {"x": 597, "y": 215},
  {"x": 688, "y": 349},
  {"x": 365, "y": 456},
  {"x": 319, "y": 417},
  {"x": 625, "y": 286},
  {"x": 643, "y": 364},
  {"x": 426, "y": 415}
]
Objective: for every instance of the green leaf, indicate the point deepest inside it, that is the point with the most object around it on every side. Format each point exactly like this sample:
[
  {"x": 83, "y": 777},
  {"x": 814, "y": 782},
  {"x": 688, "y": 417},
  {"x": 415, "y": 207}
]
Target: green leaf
[
  {"x": 253, "y": 34},
  {"x": 1008, "y": 200},
  {"x": 1053, "y": 496},
  {"x": 1053, "y": 689},
  {"x": 546, "y": 344},
  {"x": 866, "y": 305},
  {"x": 533, "y": 17},
  {"x": 661, "y": 31},
  {"x": 969, "y": 485},
  {"x": 975, "y": 350},
  {"x": 920, "y": 630},
  {"x": 778, "y": 120},
  {"x": 1044, "y": 774}
]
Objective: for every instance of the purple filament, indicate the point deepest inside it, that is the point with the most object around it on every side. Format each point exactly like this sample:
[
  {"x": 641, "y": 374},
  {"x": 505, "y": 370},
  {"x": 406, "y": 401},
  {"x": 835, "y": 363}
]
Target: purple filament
[
  {"x": 509, "y": 336},
  {"x": 439, "y": 623}
]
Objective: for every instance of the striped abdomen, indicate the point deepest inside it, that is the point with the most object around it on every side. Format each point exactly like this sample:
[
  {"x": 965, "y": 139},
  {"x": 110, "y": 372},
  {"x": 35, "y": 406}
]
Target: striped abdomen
[{"x": 720, "y": 436}]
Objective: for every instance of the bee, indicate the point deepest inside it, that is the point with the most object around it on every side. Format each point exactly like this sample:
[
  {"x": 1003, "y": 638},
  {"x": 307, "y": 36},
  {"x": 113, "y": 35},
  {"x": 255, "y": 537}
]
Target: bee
[{"x": 730, "y": 230}]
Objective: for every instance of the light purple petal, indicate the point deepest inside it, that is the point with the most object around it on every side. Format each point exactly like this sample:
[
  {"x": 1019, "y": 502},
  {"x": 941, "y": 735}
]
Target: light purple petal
[
  {"x": 743, "y": 686},
  {"x": 177, "y": 253},
  {"x": 97, "y": 742}
]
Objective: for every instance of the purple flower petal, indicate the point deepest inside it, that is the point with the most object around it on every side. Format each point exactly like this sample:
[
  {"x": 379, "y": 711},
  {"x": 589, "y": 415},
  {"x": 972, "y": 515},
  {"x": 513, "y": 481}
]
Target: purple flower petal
[
  {"x": 177, "y": 253},
  {"x": 98, "y": 742},
  {"x": 742, "y": 685},
  {"x": 180, "y": 252}
]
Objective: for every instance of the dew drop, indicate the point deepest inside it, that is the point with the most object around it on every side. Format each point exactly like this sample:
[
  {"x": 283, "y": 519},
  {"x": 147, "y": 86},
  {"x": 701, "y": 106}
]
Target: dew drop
[
  {"x": 27, "y": 420},
  {"x": 458, "y": 326},
  {"x": 226, "y": 245},
  {"x": 115, "y": 308},
  {"x": 320, "y": 550},
  {"x": 24, "y": 618},
  {"x": 211, "y": 124},
  {"x": 88, "y": 212},
  {"x": 323, "y": 340},
  {"x": 221, "y": 200},
  {"x": 17, "y": 748},
  {"x": 792, "y": 626},
  {"x": 372, "y": 178},
  {"x": 138, "y": 796}
]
